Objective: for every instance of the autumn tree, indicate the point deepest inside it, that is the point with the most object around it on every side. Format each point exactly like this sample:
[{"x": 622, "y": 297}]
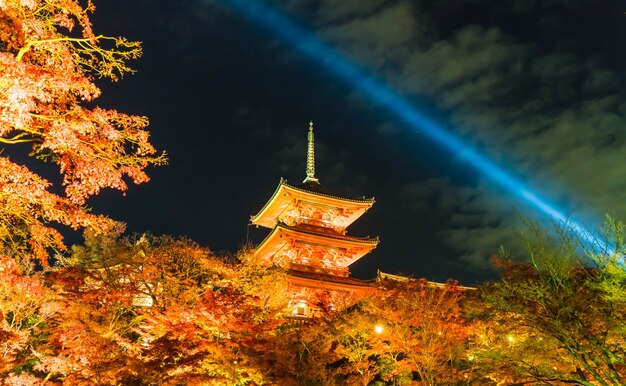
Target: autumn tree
[
  {"x": 340, "y": 348},
  {"x": 406, "y": 332},
  {"x": 49, "y": 57},
  {"x": 162, "y": 310},
  {"x": 424, "y": 328},
  {"x": 559, "y": 317},
  {"x": 25, "y": 309}
]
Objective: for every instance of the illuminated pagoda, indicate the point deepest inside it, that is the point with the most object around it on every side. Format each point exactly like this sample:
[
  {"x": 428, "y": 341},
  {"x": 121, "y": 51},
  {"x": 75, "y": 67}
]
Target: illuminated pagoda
[{"x": 309, "y": 240}]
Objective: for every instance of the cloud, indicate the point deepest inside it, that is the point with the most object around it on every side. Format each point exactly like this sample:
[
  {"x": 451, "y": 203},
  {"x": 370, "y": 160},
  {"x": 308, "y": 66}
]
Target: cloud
[
  {"x": 474, "y": 224},
  {"x": 391, "y": 29},
  {"x": 338, "y": 10},
  {"x": 553, "y": 116}
]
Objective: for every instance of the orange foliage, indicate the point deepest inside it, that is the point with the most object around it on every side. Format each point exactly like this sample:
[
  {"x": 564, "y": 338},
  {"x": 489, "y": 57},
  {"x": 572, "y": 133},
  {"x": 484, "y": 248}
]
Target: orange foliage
[
  {"x": 46, "y": 71},
  {"x": 423, "y": 321},
  {"x": 406, "y": 332},
  {"x": 204, "y": 325}
]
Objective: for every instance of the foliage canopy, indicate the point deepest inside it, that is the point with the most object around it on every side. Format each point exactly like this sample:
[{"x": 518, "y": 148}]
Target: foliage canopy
[{"x": 49, "y": 56}]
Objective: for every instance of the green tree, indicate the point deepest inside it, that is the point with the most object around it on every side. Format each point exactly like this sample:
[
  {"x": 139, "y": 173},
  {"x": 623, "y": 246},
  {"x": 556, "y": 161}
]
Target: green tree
[{"x": 555, "y": 318}]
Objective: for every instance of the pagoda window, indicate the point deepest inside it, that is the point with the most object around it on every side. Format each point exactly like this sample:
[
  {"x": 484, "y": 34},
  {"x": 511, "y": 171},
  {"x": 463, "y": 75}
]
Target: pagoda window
[{"x": 301, "y": 309}]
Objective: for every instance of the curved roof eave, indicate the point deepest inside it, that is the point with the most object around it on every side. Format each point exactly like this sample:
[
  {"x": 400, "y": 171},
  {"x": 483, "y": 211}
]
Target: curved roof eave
[
  {"x": 283, "y": 183},
  {"x": 327, "y": 195},
  {"x": 280, "y": 184},
  {"x": 360, "y": 240}
]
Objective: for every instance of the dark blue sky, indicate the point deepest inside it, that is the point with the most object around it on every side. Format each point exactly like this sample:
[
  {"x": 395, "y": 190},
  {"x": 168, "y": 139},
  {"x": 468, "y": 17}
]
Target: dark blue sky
[{"x": 537, "y": 86}]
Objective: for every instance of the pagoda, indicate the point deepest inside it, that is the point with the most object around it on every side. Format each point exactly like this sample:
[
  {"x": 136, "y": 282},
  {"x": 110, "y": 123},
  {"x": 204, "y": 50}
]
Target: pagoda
[{"x": 309, "y": 239}]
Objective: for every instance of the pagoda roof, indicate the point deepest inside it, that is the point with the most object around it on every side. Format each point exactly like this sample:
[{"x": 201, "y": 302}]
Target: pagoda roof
[
  {"x": 321, "y": 190},
  {"x": 329, "y": 282},
  {"x": 282, "y": 235},
  {"x": 380, "y": 275},
  {"x": 311, "y": 192},
  {"x": 330, "y": 233},
  {"x": 351, "y": 281}
]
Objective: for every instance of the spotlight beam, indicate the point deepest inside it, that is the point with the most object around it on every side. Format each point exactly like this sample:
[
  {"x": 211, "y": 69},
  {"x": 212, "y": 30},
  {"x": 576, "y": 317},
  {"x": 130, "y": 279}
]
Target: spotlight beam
[{"x": 308, "y": 44}]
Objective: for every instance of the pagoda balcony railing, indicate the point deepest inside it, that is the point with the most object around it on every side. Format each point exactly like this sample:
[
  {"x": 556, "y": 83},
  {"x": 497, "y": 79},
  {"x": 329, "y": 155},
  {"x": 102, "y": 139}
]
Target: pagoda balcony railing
[{"x": 342, "y": 272}]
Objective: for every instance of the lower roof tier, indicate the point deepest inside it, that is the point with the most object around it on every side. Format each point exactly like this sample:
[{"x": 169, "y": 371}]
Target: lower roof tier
[
  {"x": 331, "y": 283},
  {"x": 286, "y": 245}
]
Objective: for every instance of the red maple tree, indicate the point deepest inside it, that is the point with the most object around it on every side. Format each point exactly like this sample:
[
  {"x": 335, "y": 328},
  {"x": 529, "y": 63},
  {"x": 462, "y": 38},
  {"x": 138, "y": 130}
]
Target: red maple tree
[{"x": 49, "y": 57}]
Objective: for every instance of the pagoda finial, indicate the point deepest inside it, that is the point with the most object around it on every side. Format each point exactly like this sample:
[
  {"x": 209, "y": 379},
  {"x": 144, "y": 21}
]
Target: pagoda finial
[{"x": 310, "y": 159}]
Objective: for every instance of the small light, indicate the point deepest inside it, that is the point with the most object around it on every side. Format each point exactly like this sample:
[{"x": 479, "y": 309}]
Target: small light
[
  {"x": 511, "y": 338},
  {"x": 378, "y": 329}
]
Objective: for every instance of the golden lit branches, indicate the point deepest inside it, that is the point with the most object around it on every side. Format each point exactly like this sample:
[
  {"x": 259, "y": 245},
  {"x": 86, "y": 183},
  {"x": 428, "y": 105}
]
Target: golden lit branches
[{"x": 46, "y": 70}]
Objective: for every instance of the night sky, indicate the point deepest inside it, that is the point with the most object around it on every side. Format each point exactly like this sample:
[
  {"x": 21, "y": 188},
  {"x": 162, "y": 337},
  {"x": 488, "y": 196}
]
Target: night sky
[{"x": 537, "y": 86}]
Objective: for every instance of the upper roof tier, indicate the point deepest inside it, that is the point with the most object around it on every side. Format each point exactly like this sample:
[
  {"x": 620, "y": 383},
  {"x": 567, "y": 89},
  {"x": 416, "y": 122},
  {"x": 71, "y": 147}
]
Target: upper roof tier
[{"x": 308, "y": 203}]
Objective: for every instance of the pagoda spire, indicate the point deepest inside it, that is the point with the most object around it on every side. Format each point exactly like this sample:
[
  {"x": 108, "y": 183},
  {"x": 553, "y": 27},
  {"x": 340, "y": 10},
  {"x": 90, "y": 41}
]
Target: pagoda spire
[{"x": 310, "y": 159}]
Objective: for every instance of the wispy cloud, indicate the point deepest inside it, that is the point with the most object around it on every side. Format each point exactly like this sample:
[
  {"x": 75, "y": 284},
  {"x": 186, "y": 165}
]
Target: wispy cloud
[{"x": 553, "y": 116}]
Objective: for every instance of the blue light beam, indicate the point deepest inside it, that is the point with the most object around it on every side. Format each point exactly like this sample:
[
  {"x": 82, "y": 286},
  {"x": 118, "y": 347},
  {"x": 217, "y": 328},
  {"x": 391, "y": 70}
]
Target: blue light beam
[{"x": 308, "y": 44}]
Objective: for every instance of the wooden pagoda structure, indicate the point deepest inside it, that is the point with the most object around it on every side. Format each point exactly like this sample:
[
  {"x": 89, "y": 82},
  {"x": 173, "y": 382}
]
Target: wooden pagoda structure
[{"x": 309, "y": 239}]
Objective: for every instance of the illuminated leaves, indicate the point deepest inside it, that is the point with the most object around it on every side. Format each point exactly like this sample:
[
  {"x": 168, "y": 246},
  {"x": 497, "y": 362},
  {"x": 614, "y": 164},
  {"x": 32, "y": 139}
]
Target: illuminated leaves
[
  {"x": 45, "y": 79},
  {"x": 25, "y": 308},
  {"x": 164, "y": 310},
  {"x": 27, "y": 208},
  {"x": 554, "y": 319},
  {"x": 403, "y": 333},
  {"x": 423, "y": 322}
]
